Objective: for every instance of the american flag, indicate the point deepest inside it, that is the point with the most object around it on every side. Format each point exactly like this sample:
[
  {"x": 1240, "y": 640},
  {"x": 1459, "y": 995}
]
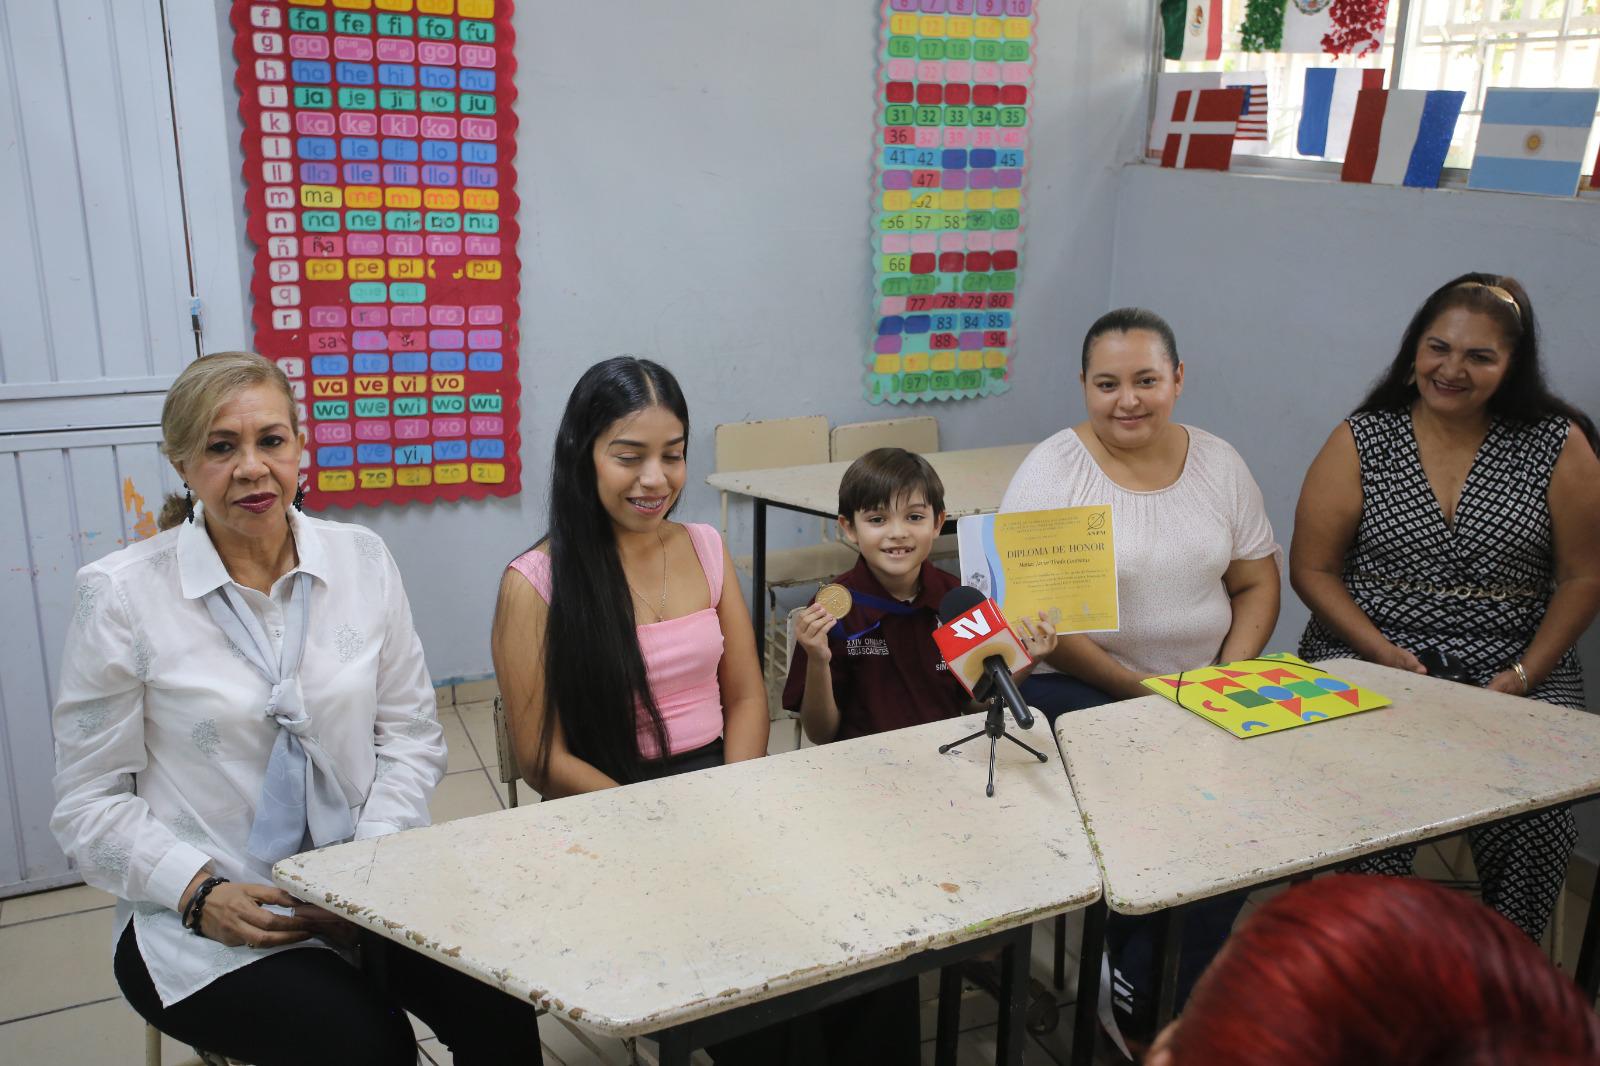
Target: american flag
[{"x": 1253, "y": 122}]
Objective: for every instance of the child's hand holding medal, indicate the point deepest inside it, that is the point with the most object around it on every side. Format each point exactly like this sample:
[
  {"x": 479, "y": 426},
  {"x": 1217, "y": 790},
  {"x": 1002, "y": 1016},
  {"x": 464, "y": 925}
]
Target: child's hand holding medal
[{"x": 813, "y": 624}]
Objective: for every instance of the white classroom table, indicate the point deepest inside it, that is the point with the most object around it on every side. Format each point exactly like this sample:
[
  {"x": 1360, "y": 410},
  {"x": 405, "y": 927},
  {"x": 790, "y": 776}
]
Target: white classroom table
[
  {"x": 705, "y": 905},
  {"x": 1180, "y": 810},
  {"x": 974, "y": 481}
]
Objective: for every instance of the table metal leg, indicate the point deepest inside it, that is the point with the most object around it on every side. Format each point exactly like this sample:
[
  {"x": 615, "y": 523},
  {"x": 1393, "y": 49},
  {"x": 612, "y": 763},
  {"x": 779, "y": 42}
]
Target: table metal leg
[
  {"x": 1085, "y": 1026},
  {"x": 1012, "y": 1030},
  {"x": 949, "y": 1029},
  {"x": 673, "y": 1048},
  {"x": 1058, "y": 971},
  {"x": 758, "y": 580},
  {"x": 1168, "y": 951},
  {"x": 1587, "y": 975}
]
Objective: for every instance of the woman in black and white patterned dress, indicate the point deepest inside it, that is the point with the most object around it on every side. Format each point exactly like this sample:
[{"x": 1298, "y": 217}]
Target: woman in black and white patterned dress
[{"x": 1458, "y": 510}]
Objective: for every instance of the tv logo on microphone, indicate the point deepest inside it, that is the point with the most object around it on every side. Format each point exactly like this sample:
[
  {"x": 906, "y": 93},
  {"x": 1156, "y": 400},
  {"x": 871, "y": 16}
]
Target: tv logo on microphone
[
  {"x": 974, "y": 625},
  {"x": 981, "y": 627}
]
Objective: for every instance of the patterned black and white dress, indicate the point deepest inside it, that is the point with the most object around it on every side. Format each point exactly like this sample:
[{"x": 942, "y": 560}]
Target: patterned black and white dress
[{"x": 1476, "y": 589}]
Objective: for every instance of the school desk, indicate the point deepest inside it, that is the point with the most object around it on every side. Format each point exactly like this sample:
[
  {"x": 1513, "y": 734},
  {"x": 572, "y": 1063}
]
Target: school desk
[
  {"x": 1180, "y": 810},
  {"x": 974, "y": 481},
  {"x": 698, "y": 907}
]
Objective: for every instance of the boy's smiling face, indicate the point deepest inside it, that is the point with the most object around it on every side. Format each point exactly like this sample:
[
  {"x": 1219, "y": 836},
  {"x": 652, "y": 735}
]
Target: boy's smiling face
[{"x": 895, "y": 539}]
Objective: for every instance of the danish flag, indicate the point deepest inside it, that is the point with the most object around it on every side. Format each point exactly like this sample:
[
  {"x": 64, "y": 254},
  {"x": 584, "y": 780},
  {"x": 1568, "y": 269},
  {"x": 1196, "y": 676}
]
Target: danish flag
[{"x": 1204, "y": 123}]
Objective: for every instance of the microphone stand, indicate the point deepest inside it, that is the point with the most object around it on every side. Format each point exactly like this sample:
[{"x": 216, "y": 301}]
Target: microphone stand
[{"x": 994, "y": 727}]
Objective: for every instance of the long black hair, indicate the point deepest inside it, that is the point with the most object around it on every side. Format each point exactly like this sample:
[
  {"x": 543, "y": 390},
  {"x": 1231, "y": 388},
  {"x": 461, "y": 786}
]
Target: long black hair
[
  {"x": 594, "y": 673},
  {"x": 1523, "y": 395}
]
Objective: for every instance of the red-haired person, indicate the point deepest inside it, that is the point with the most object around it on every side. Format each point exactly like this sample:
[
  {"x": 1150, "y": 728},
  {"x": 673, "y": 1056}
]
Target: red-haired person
[{"x": 1380, "y": 971}]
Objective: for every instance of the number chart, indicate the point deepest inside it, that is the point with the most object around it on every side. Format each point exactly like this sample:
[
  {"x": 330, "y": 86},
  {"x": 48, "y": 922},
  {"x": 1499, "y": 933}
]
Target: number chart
[
  {"x": 379, "y": 147},
  {"x": 954, "y": 89}
]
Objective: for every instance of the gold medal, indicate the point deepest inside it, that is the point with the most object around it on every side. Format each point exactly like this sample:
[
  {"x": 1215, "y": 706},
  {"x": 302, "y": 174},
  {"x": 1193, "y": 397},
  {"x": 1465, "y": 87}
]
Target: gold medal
[{"x": 835, "y": 599}]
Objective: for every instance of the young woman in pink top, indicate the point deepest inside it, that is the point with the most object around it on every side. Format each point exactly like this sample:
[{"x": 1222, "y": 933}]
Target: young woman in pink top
[{"x": 620, "y": 652}]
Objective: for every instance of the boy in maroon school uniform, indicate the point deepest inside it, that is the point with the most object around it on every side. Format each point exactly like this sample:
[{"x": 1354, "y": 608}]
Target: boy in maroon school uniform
[{"x": 878, "y": 669}]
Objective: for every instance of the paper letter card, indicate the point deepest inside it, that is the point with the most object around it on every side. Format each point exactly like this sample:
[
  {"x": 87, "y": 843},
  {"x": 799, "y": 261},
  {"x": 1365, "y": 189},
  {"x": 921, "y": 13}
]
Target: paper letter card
[
  {"x": 954, "y": 101},
  {"x": 1061, "y": 562},
  {"x": 379, "y": 142},
  {"x": 1265, "y": 695}
]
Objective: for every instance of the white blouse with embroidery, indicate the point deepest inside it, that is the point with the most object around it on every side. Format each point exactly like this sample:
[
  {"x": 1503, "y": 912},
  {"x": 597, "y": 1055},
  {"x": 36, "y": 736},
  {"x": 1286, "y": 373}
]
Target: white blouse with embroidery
[{"x": 162, "y": 738}]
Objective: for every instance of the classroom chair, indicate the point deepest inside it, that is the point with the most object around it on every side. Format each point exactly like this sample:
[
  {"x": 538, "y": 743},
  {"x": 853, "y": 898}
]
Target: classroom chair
[
  {"x": 762, "y": 445},
  {"x": 506, "y": 767},
  {"x": 919, "y": 434},
  {"x": 783, "y": 672},
  {"x": 855, "y": 439}
]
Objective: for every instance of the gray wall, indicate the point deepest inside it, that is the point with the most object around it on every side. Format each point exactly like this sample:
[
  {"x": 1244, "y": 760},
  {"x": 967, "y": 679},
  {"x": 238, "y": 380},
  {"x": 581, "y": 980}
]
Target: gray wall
[
  {"x": 711, "y": 209},
  {"x": 1288, "y": 296}
]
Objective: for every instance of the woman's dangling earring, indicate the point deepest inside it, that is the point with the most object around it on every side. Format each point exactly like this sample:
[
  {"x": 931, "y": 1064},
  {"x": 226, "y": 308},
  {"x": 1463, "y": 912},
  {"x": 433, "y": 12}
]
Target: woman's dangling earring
[
  {"x": 300, "y": 498},
  {"x": 188, "y": 503}
]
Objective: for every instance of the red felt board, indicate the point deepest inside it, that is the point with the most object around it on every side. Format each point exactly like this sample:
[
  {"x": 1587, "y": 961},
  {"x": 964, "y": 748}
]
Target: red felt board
[{"x": 380, "y": 190}]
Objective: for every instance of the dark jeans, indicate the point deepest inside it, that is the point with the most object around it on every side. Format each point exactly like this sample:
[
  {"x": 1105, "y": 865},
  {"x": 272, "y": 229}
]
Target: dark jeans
[
  {"x": 1056, "y": 694},
  {"x": 308, "y": 1007},
  {"x": 1130, "y": 941},
  {"x": 1130, "y": 938}
]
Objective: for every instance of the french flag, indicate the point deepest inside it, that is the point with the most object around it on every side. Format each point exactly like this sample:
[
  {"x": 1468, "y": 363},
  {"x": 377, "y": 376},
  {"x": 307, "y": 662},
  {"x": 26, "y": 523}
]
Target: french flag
[
  {"x": 1401, "y": 136},
  {"x": 1329, "y": 106}
]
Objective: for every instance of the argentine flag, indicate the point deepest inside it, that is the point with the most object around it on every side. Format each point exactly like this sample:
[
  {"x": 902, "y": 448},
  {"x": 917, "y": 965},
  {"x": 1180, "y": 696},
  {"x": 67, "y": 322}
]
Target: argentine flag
[{"x": 1533, "y": 140}]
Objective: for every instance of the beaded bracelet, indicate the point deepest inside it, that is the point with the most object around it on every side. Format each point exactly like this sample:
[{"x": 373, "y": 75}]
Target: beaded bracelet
[{"x": 197, "y": 904}]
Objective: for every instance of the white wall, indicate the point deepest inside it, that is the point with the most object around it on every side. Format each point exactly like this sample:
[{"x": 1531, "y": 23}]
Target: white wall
[
  {"x": 700, "y": 193},
  {"x": 1289, "y": 296}
]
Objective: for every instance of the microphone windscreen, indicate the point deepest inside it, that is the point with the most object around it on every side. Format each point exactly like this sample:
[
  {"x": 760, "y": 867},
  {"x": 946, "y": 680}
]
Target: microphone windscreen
[{"x": 958, "y": 601}]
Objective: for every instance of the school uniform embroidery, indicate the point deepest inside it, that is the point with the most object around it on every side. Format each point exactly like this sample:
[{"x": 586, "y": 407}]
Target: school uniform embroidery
[{"x": 867, "y": 646}]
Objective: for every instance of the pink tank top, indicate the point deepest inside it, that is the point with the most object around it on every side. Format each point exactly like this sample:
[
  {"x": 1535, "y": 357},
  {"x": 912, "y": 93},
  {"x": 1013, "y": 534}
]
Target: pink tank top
[{"x": 681, "y": 655}]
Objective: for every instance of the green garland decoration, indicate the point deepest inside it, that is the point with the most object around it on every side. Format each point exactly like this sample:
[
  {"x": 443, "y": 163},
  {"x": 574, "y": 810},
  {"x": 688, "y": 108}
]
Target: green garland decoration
[{"x": 1262, "y": 28}]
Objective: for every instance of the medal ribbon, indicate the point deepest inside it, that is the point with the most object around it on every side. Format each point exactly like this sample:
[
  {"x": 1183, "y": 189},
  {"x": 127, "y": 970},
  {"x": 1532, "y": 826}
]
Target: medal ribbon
[{"x": 867, "y": 599}]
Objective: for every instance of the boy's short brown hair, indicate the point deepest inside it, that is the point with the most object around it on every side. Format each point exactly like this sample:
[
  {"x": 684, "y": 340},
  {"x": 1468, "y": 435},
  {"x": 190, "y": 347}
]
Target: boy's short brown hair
[{"x": 884, "y": 475}]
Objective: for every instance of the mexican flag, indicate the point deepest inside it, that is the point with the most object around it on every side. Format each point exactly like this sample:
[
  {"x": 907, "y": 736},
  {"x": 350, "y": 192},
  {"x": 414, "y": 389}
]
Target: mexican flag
[{"x": 1192, "y": 29}]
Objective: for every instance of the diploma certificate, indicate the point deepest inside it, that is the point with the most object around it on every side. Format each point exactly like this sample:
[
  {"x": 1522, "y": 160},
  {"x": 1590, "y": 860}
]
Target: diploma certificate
[{"x": 1062, "y": 562}]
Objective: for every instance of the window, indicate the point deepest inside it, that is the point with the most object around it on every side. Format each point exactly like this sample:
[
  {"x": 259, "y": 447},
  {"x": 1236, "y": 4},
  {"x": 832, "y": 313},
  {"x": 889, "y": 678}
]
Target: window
[
  {"x": 1471, "y": 45},
  {"x": 1477, "y": 44}
]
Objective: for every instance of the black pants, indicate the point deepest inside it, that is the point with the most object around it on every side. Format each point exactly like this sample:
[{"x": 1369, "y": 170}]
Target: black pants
[
  {"x": 878, "y": 1028},
  {"x": 308, "y": 1006}
]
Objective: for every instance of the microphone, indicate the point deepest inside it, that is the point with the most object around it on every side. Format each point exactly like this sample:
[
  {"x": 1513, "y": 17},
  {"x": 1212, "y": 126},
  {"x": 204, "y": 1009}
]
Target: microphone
[{"x": 981, "y": 650}]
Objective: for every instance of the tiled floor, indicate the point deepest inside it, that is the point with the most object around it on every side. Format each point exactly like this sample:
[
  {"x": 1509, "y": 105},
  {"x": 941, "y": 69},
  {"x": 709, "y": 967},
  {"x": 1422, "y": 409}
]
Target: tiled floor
[{"x": 60, "y": 1005}]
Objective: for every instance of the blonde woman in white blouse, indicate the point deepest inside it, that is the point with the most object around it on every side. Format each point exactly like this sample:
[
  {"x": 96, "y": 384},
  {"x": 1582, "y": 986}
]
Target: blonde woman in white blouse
[
  {"x": 245, "y": 685},
  {"x": 1197, "y": 568}
]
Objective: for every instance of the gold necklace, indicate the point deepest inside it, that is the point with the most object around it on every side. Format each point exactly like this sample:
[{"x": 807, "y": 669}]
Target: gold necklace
[{"x": 661, "y": 611}]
